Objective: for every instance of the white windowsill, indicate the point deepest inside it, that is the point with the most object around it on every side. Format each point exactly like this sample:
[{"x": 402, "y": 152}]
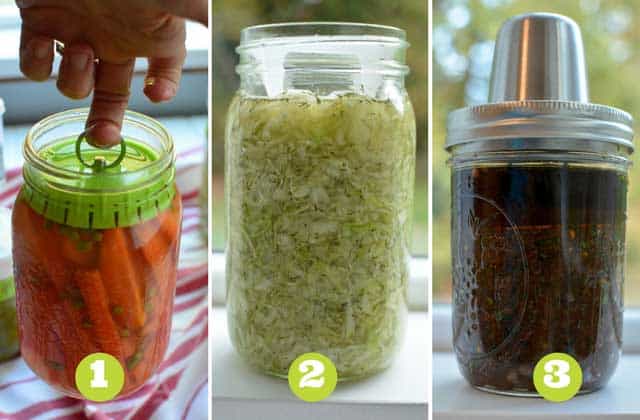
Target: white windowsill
[
  {"x": 399, "y": 393},
  {"x": 454, "y": 399}
]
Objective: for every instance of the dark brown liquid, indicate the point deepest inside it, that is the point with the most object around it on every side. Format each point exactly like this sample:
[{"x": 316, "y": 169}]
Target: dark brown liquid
[{"x": 538, "y": 267}]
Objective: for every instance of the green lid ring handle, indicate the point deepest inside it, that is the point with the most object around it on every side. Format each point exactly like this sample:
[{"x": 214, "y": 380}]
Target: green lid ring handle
[{"x": 100, "y": 164}]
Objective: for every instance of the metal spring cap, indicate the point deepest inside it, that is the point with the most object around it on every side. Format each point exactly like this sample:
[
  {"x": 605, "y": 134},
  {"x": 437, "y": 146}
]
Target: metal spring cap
[{"x": 538, "y": 96}]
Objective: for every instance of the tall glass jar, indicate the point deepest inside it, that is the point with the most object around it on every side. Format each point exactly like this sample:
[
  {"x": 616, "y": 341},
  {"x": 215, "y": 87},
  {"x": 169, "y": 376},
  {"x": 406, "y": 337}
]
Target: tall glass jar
[
  {"x": 538, "y": 245},
  {"x": 2, "y": 174},
  {"x": 539, "y": 206},
  {"x": 9, "y": 343},
  {"x": 538, "y": 240},
  {"x": 95, "y": 248},
  {"x": 320, "y": 157}
]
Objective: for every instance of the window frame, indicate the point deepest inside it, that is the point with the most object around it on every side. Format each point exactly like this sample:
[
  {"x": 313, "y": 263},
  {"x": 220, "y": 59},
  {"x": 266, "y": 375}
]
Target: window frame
[{"x": 20, "y": 93}]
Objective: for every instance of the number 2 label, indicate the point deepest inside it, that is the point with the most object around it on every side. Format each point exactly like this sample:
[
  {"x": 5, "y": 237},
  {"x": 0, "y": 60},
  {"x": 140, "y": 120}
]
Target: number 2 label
[
  {"x": 312, "y": 377},
  {"x": 313, "y": 370}
]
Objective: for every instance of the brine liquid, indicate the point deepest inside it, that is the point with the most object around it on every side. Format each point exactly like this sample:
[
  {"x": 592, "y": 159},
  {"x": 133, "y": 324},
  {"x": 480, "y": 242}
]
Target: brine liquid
[{"x": 538, "y": 267}]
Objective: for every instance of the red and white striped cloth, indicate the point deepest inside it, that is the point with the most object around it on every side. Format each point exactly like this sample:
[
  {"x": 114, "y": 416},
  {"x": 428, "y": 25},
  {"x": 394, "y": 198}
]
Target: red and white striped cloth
[{"x": 179, "y": 388}]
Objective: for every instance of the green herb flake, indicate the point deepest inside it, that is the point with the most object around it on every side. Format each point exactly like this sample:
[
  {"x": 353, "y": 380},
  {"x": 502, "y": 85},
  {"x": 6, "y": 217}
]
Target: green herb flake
[
  {"x": 77, "y": 302},
  {"x": 55, "y": 365},
  {"x": 133, "y": 361},
  {"x": 83, "y": 246}
]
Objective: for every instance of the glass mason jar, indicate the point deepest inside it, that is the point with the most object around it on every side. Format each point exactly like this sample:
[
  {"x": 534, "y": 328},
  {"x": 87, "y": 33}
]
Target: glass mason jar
[
  {"x": 2, "y": 110},
  {"x": 96, "y": 236},
  {"x": 320, "y": 157},
  {"x": 539, "y": 193},
  {"x": 9, "y": 343}
]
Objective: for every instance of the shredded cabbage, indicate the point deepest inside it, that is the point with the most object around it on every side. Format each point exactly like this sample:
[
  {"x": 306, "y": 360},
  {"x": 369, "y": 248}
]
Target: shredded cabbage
[{"x": 319, "y": 195}]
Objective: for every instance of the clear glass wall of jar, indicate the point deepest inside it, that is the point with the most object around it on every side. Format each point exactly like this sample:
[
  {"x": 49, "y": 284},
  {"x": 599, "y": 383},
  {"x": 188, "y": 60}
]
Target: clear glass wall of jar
[
  {"x": 9, "y": 343},
  {"x": 320, "y": 157},
  {"x": 95, "y": 249},
  {"x": 538, "y": 239}
]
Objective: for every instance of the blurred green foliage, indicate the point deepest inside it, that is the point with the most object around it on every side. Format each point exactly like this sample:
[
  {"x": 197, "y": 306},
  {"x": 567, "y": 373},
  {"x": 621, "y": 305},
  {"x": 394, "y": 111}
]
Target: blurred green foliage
[
  {"x": 462, "y": 27},
  {"x": 230, "y": 16}
]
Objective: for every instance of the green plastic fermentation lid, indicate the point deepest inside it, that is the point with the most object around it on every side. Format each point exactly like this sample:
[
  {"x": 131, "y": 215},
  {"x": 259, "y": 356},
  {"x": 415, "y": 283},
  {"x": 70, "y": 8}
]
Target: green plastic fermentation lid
[{"x": 78, "y": 185}]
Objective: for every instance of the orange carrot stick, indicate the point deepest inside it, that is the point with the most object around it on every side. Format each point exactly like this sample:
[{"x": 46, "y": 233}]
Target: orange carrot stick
[
  {"x": 71, "y": 343},
  {"x": 155, "y": 237},
  {"x": 154, "y": 336},
  {"x": 104, "y": 328},
  {"x": 51, "y": 317},
  {"x": 81, "y": 252},
  {"x": 39, "y": 335},
  {"x": 28, "y": 242},
  {"x": 125, "y": 292},
  {"x": 41, "y": 261},
  {"x": 158, "y": 242}
]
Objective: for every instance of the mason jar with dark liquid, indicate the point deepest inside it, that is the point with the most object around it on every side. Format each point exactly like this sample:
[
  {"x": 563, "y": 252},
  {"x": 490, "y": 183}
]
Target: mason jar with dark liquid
[
  {"x": 538, "y": 266},
  {"x": 539, "y": 193}
]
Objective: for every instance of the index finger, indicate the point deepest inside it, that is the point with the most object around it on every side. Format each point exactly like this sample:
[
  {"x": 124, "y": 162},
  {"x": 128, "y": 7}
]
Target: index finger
[
  {"x": 197, "y": 10},
  {"x": 110, "y": 100}
]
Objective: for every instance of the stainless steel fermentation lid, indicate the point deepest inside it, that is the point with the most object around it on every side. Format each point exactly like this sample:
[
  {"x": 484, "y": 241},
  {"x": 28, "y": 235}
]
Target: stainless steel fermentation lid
[{"x": 538, "y": 97}]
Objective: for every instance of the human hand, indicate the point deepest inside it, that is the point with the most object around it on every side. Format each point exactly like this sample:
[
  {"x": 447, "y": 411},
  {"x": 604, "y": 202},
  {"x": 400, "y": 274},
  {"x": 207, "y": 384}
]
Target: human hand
[{"x": 102, "y": 39}]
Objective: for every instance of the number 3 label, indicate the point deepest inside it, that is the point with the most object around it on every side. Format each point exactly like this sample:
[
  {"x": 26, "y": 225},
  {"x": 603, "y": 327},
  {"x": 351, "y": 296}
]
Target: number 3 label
[
  {"x": 99, "y": 377},
  {"x": 557, "y": 377},
  {"x": 312, "y": 377}
]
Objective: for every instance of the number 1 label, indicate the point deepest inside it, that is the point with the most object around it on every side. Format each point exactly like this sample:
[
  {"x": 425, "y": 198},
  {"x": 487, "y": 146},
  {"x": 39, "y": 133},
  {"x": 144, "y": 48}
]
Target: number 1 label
[
  {"x": 99, "y": 377},
  {"x": 98, "y": 380}
]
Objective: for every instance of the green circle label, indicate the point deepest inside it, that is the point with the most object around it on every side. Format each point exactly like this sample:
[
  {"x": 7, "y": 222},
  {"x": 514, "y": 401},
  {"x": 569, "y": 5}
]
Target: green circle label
[
  {"x": 99, "y": 377},
  {"x": 312, "y": 377},
  {"x": 557, "y": 377}
]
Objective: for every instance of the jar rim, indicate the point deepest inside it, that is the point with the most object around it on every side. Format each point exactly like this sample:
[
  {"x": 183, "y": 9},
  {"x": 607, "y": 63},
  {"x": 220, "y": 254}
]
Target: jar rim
[
  {"x": 274, "y": 33},
  {"x": 539, "y": 125},
  {"x": 31, "y": 155},
  {"x": 98, "y": 198}
]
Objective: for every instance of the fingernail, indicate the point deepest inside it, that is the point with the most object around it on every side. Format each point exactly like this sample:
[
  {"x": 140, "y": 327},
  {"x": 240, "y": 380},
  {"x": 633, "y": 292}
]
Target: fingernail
[
  {"x": 169, "y": 91},
  {"x": 39, "y": 50},
  {"x": 103, "y": 134},
  {"x": 79, "y": 61}
]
